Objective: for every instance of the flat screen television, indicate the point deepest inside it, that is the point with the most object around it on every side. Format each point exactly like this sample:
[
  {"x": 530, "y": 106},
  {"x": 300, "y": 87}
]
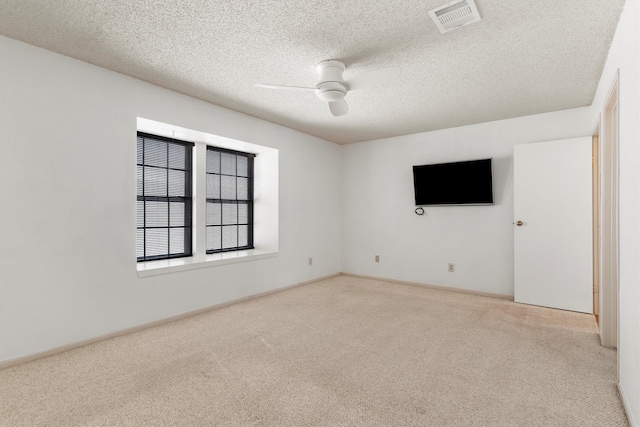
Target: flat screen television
[{"x": 457, "y": 183}]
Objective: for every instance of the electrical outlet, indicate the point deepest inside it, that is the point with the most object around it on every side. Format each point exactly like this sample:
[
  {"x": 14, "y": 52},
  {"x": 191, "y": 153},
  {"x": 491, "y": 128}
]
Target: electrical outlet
[
  {"x": 310, "y": 261},
  {"x": 452, "y": 268},
  {"x": 377, "y": 258}
]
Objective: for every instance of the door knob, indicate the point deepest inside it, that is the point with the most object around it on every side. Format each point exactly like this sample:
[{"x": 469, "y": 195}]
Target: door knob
[{"x": 519, "y": 223}]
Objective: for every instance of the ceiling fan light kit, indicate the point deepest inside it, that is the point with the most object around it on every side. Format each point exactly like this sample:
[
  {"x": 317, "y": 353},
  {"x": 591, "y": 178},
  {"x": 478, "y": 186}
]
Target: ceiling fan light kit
[
  {"x": 331, "y": 95},
  {"x": 332, "y": 87}
]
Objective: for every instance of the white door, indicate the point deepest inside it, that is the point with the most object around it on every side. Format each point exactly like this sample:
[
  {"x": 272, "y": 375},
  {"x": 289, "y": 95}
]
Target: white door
[{"x": 552, "y": 224}]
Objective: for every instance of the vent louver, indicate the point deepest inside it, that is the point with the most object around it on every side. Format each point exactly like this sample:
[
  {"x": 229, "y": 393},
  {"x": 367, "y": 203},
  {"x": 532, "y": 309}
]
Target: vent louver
[{"x": 455, "y": 14}]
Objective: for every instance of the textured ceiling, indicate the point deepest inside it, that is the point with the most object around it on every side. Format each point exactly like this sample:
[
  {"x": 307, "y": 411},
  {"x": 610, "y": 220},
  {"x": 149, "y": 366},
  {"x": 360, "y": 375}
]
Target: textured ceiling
[{"x": 524, "y": 56}]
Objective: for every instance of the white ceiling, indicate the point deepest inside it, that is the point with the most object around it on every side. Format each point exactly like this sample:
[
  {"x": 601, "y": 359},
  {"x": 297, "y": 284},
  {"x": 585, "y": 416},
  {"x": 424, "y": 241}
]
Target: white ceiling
[{"x": 524, "y": 56}]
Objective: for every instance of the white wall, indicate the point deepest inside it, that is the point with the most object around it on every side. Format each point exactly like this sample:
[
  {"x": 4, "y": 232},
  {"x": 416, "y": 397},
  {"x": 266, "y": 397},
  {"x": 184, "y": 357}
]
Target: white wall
[
  {"x": 378, "y": 206},
  {"x": 67, "y": 191},
  {"x": 624, "y": 56}
]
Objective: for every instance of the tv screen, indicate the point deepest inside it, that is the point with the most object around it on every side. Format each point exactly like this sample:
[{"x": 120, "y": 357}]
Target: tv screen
[{"x": 458, "y": 183}]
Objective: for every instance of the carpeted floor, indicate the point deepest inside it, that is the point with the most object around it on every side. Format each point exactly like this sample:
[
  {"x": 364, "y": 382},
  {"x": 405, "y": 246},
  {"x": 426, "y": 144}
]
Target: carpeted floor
[{"x": 340, "y": 352}]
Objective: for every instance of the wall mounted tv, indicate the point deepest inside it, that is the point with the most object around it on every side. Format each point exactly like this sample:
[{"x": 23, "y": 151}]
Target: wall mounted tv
[{"x": 457, "y": 183}]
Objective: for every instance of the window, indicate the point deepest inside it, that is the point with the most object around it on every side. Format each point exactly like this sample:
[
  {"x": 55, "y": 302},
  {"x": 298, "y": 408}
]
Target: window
[
  {"x": 229, "y": 200},
  {"x": 195, "y": 201},
  {"x": 163, "y": 198}
]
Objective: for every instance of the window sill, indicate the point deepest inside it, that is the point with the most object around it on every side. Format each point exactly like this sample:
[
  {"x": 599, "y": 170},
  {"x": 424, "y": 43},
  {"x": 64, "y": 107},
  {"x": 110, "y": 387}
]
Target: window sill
[{"x": 155, "y": 268}]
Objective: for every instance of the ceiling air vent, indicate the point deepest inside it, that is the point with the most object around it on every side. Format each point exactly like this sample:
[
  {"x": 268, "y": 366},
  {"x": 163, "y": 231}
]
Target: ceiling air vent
[{"x": 454, "y": 14}]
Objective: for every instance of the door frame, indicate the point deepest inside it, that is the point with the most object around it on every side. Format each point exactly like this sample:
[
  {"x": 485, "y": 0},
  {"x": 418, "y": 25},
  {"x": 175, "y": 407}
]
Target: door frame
[
  {"x": 609, "y": 271},
  {"x": 595, "y": 176}
]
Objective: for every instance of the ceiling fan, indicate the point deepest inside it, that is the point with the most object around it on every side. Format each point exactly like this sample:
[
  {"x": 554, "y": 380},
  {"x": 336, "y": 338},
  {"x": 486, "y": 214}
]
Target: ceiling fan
[{"x": 332, "y": 87}]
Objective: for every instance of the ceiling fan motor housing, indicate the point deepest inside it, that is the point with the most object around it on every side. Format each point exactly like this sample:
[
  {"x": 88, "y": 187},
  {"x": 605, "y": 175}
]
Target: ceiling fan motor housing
[{"x": 330, "y": 86}]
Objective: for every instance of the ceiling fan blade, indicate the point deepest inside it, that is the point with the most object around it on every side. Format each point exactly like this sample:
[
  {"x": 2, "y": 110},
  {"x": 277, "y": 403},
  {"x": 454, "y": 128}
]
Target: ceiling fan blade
[
  {"x": 373, "y": 78},
  {"x": 339, "y": 108},
  {"x": 269, "y": 86}
]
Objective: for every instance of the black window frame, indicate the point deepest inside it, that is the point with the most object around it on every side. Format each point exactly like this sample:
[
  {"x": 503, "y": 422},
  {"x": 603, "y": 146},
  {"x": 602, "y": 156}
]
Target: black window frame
[
  {"x": 187, "y": 199},
  {"x": 248, "y": 202}
]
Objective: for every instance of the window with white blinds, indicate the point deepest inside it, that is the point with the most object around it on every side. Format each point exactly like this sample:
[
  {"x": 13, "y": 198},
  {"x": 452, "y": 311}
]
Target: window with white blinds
[
  {"x": 229, "y": 223},
  {"x": 163, "y": 198}
]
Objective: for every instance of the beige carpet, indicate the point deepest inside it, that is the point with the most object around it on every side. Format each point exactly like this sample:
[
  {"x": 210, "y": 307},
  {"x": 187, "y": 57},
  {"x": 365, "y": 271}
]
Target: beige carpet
[{"x": 340, "y": 352}]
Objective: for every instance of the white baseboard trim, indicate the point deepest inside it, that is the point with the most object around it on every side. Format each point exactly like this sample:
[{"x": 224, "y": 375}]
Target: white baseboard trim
[
  {"x": 623, "y": 398},
  {"x": 46, "y": 353},
  {"x": 426, "y": 285}
]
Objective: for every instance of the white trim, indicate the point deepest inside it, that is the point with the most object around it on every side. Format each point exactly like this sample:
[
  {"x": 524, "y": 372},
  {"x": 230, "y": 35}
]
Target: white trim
[
  {"x": 165, "y": 266},
  {"x": 627, "y": 411},
  {"x": 426, "y": 285}
]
